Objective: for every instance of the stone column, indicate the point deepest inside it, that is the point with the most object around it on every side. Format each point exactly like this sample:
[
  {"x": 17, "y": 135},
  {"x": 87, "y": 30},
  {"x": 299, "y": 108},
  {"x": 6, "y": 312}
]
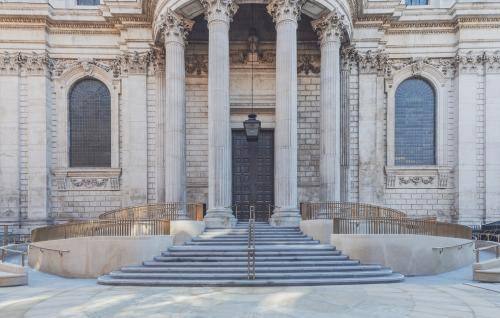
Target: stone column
[
  {"x": 175, "y": 30},
  {"x": 286, "y": 14},
  {"x": 330, "y": 28},
  {"x": 219, "y": 14}
]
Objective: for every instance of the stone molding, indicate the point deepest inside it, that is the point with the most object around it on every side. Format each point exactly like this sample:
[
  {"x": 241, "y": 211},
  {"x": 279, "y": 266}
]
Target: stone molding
[
  {"x": 283, "y": 10},
  {"x": 330, "y": 27},
  {"x": 30, "y": 63},
  {"x": 174, "y": 27},
  {"x": 36, "y": 63},
  {"x": 87, "y": 179},
  {"x": 219, "y": 10},
  {"x": 431, "y": 177}
]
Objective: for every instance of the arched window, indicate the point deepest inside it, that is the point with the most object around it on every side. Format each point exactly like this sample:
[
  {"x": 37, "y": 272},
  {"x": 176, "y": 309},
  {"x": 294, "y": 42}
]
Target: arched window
[
  {"x": 415, "y": 128},
  {"x": 90, "y": 124}
]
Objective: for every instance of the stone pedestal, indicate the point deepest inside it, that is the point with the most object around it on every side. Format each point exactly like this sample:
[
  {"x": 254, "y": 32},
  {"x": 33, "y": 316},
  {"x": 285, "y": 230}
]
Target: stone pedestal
[
  {"x": 218, "y": 14},
  {"x": 285, "y": 15},
  {"x": 175, "y": 30},
  {"x": 330, "y": 29}
]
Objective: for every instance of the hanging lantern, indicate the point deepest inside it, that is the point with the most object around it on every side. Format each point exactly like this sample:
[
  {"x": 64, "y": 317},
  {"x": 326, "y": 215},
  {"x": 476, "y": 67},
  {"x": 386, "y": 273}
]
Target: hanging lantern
[{"x": 252, "y": 127}]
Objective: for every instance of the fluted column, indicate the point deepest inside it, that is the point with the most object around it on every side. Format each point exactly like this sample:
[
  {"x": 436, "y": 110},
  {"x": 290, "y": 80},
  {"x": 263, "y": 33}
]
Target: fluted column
[
  {"x": 175, "y": 30},
  {"x": 219, "y": 14},
  {"x": 329, "y": 30},
  {"x": 285, "y": 14}
]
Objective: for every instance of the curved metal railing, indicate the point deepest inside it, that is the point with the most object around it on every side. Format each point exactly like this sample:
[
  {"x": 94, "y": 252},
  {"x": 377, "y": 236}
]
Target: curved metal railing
[
  {"x": 101, "y": 228},
  {"x": 162, "y": 211},
  {"x": 360, "y": 218}
]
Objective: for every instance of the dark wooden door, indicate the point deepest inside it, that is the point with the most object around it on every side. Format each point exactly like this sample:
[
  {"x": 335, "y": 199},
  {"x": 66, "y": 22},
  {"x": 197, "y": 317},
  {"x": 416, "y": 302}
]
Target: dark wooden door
[{"x": 253, "y": 174}]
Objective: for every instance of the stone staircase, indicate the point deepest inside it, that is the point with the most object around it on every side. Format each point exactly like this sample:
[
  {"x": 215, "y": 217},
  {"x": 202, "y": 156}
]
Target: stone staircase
[{"x": 218, "y": 257}]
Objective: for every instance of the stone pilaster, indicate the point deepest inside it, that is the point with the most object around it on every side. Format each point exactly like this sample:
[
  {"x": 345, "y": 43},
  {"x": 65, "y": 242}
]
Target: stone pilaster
[
  {"x": 175, "y": 29},
  {"x": 285, "y": 14},
  {"x": 330, "y": 29},
  {"x": 219, "y": 14}
]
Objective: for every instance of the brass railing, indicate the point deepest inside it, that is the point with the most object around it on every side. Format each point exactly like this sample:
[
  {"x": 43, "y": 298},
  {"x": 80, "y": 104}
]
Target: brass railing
[
  {"x": 251, "y": 244},
  {"x": 358, "y": 218},
  {"x": 163, "y": 211},
  {"x": 113, "y": 227},
  {"x": 329, "y": 210}
]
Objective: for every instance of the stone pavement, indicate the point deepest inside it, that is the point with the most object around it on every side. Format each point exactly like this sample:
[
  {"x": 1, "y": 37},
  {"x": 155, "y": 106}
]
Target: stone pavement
[{"x": 447, "y": 295}]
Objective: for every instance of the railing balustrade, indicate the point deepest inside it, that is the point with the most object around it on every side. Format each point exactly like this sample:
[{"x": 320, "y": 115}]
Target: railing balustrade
[
  {"x": 359, "y": 218},
  {"x": 118, "y": 227},
  {"x": 162, "y": 211}
]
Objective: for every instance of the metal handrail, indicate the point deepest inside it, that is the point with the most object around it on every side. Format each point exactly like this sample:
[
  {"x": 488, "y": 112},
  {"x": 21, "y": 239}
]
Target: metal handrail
[
  {"x": 61, "y": 252},
  {"x": 251, "y": 245},
  {"x": 6, "y": 249},
  {"x": 493, "y": 245}
]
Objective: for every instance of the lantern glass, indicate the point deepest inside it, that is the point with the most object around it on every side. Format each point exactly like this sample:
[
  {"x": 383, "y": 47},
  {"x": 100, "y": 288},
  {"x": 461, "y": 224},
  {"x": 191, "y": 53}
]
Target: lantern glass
[{"x": 252, "y": 127}]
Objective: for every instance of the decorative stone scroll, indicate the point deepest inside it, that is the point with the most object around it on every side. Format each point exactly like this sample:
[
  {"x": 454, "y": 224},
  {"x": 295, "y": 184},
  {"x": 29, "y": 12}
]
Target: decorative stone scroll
[
  {"x": 425, "y": 178},
  {"x": 282, "y": 10},
  {"x": 308, "y": 64},
  {"x": 221, "y": 10},
  {"x": 32, "y": 63},
  {"x": 196, "y": 64},
  {"x": 87, "y": 180}
]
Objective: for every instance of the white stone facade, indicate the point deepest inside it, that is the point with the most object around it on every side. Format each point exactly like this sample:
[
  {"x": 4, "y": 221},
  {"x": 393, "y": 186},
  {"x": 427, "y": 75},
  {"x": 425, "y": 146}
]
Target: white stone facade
[{"x": 331, "y": 103}]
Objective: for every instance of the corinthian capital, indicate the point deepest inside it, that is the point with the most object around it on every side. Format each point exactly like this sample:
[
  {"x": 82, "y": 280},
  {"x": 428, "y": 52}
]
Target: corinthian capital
[
  {"x": 175, "y": 28},
  {"x": 329, "y": 27},
  {"x": 282, "y": 10},
  {"x": 222, "y": 10}
]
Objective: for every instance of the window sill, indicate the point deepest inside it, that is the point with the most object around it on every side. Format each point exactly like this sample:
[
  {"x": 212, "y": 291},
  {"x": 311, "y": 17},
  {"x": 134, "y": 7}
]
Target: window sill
[
  {"x": 87, "y": 179},
  {"x": 418, "y": 177}
]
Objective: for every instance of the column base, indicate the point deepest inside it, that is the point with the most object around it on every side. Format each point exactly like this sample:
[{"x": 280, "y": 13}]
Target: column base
[
  {"x": 219, "y": 218},
  {"x": 285, "y": 218}
]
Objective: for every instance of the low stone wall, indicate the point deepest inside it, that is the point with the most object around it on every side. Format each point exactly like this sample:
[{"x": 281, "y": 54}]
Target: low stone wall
[
  {"x": 12, "y": 275},
  {"x": 410, "y": 255},
  {"x": 320, "y": 230},
  {"x": 90, "y": 257},
  {"x": 184, "y": 230}
]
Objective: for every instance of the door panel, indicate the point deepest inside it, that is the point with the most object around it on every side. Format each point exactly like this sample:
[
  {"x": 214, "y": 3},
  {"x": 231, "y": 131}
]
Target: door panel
[{"x": 253, "y": 174}]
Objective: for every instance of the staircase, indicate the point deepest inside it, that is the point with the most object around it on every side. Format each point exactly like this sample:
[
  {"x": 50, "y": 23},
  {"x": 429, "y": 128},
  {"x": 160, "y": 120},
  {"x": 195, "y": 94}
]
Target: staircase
[{"x": 218, "y": 257}]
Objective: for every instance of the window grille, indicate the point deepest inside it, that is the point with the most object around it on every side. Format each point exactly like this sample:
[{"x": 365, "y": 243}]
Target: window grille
[
  {"x": 88, "y": 2},
  {"x": 90, "y": 124},
  {"x": 416, "y": 2},
  {"x": 415, "y": 118}
]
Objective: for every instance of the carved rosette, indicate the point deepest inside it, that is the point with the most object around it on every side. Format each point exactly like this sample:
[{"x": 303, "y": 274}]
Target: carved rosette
[
  {"x": 330, "y": 27},
  {"x": 219, "y": 10},
  {"x": 174, "y": 27},
  {"x": 283, "y": 10}
]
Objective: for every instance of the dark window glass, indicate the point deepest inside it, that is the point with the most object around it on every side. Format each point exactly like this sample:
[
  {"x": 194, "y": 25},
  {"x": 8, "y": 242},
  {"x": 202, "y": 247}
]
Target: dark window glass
[
  {"x": 90, "y": 124},
  {"x": 415, "y": 123},
  {"x": 416, "y": 2},
  {"x": 88, "y": 2}
]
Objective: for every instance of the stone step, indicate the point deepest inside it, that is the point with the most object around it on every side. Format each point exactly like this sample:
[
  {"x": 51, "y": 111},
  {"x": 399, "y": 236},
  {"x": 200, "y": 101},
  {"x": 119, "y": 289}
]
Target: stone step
[
  {"x": 257, "y": 239},
  {"x": 393, "y": 278},
  {"x": 244, "y": 276},
  {"x": 244, "y": 253},
  {"x": 270, "y": 235},
  {"x": 259, "y": 263},
  {"x": 244, "y": 269},
  {"x": 316, "y": 247},
  {"x": 214, "y": 243},
  {"x": 244, "y": 258}
]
